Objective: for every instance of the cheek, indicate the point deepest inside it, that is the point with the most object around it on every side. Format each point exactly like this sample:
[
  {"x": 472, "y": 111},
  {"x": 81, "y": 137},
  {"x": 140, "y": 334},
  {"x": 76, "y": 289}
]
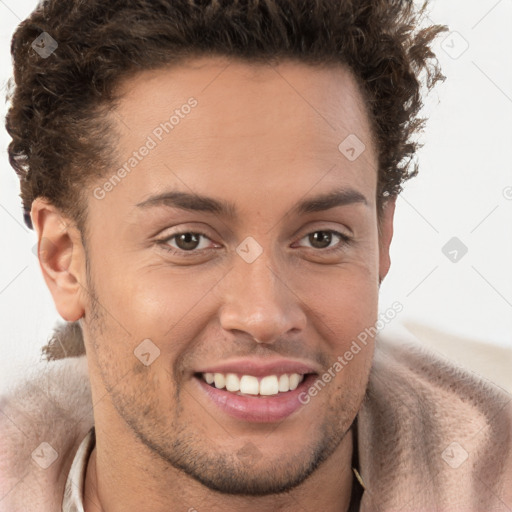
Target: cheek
[
  {"x": 347, "y": 314},
  {"x": 343, "y": 309},
  {"x": 345, "y": 298},
  {"x": 159, "y": 302}
]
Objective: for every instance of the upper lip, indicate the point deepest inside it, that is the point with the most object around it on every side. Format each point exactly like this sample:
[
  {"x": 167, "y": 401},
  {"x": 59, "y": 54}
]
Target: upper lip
[{"x": 260, "y": 367}]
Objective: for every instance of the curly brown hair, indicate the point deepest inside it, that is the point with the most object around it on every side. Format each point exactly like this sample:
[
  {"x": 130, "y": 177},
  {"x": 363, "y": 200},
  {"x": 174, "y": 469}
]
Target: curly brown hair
[{"x": 61, "y": 137}]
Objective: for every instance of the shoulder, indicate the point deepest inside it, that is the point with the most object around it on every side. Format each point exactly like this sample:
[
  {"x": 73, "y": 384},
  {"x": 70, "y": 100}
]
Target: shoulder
[
  {"x": 43, "y": 419},
  {"x": 434, "y": 433}
]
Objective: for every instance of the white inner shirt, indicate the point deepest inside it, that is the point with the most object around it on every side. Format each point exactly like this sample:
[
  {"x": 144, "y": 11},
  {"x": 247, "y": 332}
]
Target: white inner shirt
[{"x": 73, "y": 500}]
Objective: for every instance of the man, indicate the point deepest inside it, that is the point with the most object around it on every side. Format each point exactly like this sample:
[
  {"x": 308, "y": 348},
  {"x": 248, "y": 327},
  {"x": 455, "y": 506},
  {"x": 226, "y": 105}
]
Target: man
[{"x": 213, "y": 188}]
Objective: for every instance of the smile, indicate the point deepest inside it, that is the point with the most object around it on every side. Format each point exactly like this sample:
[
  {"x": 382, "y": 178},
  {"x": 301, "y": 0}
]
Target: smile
[
  {"x": 251, "y": 385},
  {"x": 265, "y": 399}
]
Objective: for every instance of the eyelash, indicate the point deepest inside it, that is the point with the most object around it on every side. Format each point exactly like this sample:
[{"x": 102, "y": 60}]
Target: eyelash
[{"x": 345, "y": 241}]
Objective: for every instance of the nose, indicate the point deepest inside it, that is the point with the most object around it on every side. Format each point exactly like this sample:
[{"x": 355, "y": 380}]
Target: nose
[{"x": 258, "y": 300}]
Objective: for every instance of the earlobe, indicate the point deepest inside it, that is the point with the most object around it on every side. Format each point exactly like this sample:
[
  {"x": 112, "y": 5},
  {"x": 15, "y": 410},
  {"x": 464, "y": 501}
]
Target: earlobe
[
  {"x": 385, "y": 237},
  {"x": 61, "y": 258}
]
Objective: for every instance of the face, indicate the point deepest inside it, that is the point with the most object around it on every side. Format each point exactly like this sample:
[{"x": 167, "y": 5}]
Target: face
[{"x": 220, "y": 257}]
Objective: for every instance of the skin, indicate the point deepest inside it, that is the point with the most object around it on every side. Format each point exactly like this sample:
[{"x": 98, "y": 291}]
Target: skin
[{"x": 264, "y": 138}]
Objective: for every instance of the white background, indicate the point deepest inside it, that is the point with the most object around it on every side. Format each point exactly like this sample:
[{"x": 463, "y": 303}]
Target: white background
[{"x": 465, "y": 179}]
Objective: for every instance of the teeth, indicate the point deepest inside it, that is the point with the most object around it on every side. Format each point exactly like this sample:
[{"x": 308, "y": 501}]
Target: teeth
[
  {"x": 232, "y": 382},
  {"x": 250, "y": 385},
  {"x": 220, "y": 380},
  {"x": 294, "y": 380},
  {"x": 284, "y": 383},
  {"x": 269, "y": 385}
]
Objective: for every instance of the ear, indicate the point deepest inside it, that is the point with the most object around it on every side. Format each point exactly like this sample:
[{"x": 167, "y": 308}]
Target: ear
[
  {"x": 385, "y": 236},
  {"x": 61, "y": 258}
]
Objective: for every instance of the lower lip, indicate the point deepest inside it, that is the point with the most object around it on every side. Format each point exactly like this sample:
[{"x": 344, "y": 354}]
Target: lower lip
[{"x": 264, "y": 409}]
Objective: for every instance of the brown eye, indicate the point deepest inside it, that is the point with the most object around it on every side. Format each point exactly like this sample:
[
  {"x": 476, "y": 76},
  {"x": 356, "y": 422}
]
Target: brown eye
[
  {"x": 322, "y": 239},
  {"x": 187, "y": 241}
]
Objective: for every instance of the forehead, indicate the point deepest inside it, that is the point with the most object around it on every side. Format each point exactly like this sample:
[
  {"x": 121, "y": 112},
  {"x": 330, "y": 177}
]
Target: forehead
[
  {"x": 255, "y": 129},
  {"x": 235, "y": 95}
]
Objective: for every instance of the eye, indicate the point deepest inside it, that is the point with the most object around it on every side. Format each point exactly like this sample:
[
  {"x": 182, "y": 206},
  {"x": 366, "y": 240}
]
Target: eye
[
  {"x": 186, "y": 242},
  {"x": 321, "y": 239}
]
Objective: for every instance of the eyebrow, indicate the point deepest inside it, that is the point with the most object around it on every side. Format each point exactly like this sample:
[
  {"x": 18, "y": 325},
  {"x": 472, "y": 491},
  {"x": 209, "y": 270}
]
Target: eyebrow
[{"x": 196, "y": 202}]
